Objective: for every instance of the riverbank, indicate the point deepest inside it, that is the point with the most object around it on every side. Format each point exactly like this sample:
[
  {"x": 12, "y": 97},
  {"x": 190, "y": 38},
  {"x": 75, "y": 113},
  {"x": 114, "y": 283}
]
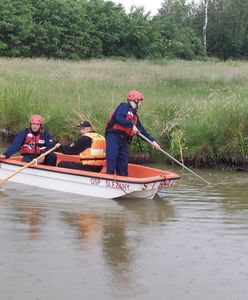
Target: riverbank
[{"x": 198, "y": 111}]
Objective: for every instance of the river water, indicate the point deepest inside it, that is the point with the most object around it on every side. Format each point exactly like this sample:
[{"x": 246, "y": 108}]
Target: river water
[{"x": 190, "y": 244}]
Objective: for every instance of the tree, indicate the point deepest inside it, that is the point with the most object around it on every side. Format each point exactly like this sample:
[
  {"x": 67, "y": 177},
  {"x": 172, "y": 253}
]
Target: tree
[
  {"x": 15, "y": 27},
  {"x": 227, "y": 27},
  {"x": 107, "y": 27},
  {"x": 204, "y": 29},
  {"x": 60, "y": 29},
  {"x": 179, "y": 39},
  {"x": 138, "y": 37}
]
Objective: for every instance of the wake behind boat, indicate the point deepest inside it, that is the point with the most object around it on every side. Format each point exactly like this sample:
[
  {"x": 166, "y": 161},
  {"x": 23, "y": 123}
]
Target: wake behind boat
[{"x": 142, "y": 182}]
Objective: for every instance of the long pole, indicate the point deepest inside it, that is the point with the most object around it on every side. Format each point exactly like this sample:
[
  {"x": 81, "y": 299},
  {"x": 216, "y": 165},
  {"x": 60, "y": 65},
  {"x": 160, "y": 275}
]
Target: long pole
[
  {"x": 2, "y": 181},
  {"x": 171, "y": 157}
]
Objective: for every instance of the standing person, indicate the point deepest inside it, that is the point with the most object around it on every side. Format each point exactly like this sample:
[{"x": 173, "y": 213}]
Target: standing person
[
  {"x": 121, "y": 126},
  {"x": 32, "y": 142},
  {"x": 90, "y": 147}
]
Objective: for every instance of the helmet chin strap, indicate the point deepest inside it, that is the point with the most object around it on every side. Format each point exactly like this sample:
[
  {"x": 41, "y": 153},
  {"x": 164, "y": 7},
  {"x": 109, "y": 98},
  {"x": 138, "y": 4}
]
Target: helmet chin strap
[{"x": 135, "y": 104}]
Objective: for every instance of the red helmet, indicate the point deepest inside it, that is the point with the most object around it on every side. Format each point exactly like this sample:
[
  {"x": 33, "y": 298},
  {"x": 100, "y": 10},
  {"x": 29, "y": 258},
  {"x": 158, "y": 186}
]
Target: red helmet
[
  {"x": 36, "y": 119},
  {"x": 134, "y": 95}
]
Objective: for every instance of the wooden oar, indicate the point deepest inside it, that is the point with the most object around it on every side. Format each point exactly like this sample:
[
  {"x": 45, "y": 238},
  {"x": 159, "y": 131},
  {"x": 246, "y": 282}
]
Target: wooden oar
[
  {"x": 35, "y": 160},
  {"x": 171, "y": 157}
]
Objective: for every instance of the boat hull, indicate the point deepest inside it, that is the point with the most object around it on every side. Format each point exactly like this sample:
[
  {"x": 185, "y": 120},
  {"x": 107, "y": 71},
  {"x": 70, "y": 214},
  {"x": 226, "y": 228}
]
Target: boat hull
[{"x": 91, "y": 183}]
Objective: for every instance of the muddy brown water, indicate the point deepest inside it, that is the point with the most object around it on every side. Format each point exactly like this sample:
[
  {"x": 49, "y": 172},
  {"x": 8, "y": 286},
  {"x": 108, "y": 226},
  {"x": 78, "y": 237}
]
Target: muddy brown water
[{"x": 190, "y": 244}]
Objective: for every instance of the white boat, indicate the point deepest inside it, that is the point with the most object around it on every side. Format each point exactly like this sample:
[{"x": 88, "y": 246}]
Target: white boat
[{"x": 142, "y": 182}]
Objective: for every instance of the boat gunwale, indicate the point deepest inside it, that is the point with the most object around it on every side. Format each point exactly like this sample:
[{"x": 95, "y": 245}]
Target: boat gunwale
[{"x": 166, "y": 175}]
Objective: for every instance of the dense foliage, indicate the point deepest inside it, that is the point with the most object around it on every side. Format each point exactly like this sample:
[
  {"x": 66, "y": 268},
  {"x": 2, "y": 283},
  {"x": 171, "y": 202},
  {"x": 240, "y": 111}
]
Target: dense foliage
[
  {"x": 196, "y": 110},
  {"x": 82, "y": 29}
]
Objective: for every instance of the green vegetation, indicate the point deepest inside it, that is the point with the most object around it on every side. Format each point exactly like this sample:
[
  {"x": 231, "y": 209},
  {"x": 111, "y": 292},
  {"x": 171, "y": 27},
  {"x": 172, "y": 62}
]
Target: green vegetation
[
  {"x": 197, "y": 110},
  {"x": 83, "y": 29}
]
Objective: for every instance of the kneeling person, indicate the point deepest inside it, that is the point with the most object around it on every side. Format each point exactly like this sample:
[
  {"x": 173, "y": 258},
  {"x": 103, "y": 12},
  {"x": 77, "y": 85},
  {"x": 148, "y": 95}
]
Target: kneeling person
[{"x": 91, "y": 147}]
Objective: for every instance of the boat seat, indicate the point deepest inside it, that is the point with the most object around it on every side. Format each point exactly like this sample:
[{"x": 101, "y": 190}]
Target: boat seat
[
  {"x": 104, "y": 169},
  {"x": 73, "y": 158},
  {"x": 66, "y": 157}
]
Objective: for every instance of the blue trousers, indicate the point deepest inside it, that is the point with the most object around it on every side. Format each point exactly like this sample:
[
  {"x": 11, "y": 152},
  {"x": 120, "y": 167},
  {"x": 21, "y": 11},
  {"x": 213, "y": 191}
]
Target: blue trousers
[
  {"x": 117, "y": 153},
  {"x": 50, "y": 159}
]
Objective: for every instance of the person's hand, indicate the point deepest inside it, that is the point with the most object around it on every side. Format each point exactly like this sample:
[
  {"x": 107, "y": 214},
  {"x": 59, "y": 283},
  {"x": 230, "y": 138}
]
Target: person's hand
[
  {"x": 135, "y": 129},
  {"x": 2, "y": 156},
  {"x": 41, "y": 161},
  {"x": 155, "y": 145},
  {"x": 57, "y": 145}
]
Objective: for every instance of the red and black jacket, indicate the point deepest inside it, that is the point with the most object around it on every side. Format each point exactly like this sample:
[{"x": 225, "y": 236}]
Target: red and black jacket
[
  {"x": 130, "y": 118},
  {"x": 33, "y": 144}
]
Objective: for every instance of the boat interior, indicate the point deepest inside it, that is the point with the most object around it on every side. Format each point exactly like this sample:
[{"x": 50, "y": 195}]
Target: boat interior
[{"x": 134, "y": 171}]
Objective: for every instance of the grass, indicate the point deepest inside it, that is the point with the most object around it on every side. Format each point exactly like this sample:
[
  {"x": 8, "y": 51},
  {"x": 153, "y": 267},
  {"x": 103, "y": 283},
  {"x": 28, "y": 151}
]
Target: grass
[{"x": 194, "y": 109}]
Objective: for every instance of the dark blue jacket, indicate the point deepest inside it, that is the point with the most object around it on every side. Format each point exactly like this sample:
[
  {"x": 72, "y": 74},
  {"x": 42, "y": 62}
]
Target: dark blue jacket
[
  {"x": 119, "y": 117},
  {"x": 20, "y": 138}
]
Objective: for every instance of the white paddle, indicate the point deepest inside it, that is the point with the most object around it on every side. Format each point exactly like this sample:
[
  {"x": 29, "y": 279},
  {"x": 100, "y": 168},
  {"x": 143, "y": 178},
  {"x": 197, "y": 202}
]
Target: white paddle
[{"x": 35, "y": 160}]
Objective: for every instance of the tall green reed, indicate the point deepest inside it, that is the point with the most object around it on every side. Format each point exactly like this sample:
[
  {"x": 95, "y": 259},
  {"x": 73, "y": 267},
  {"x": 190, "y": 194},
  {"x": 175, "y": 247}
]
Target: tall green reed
[{"x": 191, "y": 108}]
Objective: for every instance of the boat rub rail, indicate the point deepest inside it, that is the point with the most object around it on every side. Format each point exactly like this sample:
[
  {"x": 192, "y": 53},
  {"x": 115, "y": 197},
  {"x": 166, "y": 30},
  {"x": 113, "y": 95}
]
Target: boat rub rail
[{"x": 136, "y": 176}]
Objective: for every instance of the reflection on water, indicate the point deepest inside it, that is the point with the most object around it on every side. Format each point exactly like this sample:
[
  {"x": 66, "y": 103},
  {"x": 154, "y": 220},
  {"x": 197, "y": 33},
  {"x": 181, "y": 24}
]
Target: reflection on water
[
  {"x": 190, "y": 244},
  {"x": 84, "y": 223}
]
